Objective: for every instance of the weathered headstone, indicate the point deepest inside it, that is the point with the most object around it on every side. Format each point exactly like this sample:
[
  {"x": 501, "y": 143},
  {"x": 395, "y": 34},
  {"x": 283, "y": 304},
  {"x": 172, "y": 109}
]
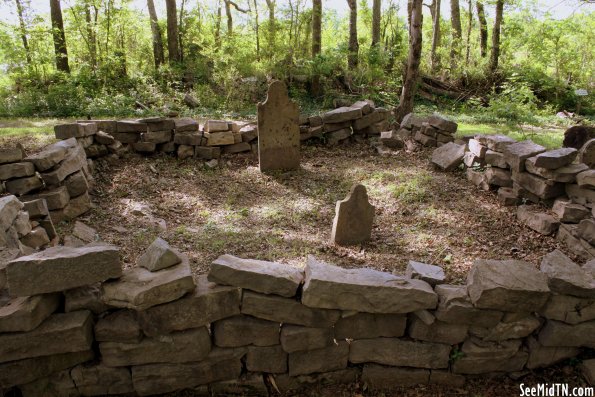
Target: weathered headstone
[
  {"x": 278, "y": 131},
  {"x": 353, "y": 218}
]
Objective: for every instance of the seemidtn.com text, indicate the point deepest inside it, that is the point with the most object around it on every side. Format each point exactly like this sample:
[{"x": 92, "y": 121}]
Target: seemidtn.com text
[{"x": 555, "y": 390}]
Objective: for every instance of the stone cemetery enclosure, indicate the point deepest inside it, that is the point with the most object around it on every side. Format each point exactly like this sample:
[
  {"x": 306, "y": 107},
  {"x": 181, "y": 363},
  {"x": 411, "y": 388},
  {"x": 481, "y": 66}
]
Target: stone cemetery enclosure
[{"x": 81, "y": 316}]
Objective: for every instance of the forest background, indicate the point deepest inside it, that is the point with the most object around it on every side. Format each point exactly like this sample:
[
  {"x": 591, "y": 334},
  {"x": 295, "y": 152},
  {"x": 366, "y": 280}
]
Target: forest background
[{"x": 494, "y": 60}]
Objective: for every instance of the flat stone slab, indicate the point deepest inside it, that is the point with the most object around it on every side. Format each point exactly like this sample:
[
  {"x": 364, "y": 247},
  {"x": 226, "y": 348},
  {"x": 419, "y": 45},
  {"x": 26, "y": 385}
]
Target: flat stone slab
[
  {"x": 22, "y": 372},
  {"x": 178, "y": 347},
  {"x": 11, "y": 155},
  {"x": 278, "y": 130},
  {"x": 378, "y": 377},
  {"x": 480, "y": 357},
  {"x": 75, "y": 160},
  {"x": 74, "y": 130},
  {"x": 244, "y": 330},
  {"x": 586, "y": 179},
  {"x": 140, "y": 289},
  {"x": 431, "y": 274},
  {"x": 553, "y": 159},
  {"x": 84, "y": 298},
  {"x": 287, "y": 311},
  {"x": 438, "y": 331},
  {"x": 509, "y": 285},
  {"x": 326, "y": 359},
  {"x": 51, "y": 155},
  {"x": 542, "y": 188},
  {"x": 568, "y": 212},
  {"x": 542, "y": 356},
  {"x": 59, "y": 333},
  {"x": 354, "y": 217},
  {"x": 539, "y": 221},
  {"x": 25, "y": 313},
  {"x": 515, "y": 154},
  {"x": 556, "y": 333},
  {"x": 566, "y": 174},
  {"x": 566, "y": 277},
  {"x": 341, "y": 115},
  {"x": 297, "y": 338},
  {"x": 100, "y": 380},
  {"x": 398, "y": 352},
  {"x": 61, "y": 268},
  {"x": 512, "y": 326},
  {"x": 364, "y": 290},
  {"x": 159, "y": 256},
  {"x": 119, "y": 326},
  {"x": 449, "y": 156},
  {"x": 497, "y": 143},
  {"x": 569, "y": 309},
  {"x": 260, "y": 276},
  {"x": 368, "y": 326},
  {"x": 269, "y": 359},
  {"x": 10, "y": 206},
  {"x": 221, "y": 364},
  {"x": 442, "y": 123},
  {"x": 16, "y": 170},
  {"x": 208, "y": 303}
]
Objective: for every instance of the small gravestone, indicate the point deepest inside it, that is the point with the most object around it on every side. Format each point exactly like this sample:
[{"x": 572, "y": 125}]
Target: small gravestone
[
  {"x": 353, "y": 218},
  {"x": 278, "y": 131}
]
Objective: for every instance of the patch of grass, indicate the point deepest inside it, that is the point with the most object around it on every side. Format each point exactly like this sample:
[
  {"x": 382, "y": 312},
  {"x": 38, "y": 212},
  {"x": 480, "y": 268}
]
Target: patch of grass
[
  {"x": 548, "y": 137},
  {"x": 413, "y": 190}
]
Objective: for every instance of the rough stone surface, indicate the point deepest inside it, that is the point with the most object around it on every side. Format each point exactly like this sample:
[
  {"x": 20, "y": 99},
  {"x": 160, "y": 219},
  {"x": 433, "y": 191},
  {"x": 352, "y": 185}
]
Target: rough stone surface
[
  {"x": 76, "y": 184},
  {"x": 10, "y": 207},
  {"x": 512, "y": 326},
  {"x": 245, "y": 330},
  {"x": 120, "y": 326},
  {"x": 588, "y": 369},
  {"x": 367, "y": 326},
  {"x": 61, "y": 268},
  {"x": 580, "y": 195},
  {"x": 74, "y": 130},
  {"x": 158, "y": 256},
  {"x": 569, "y": 309},
  {"x": 449, "y": 156},
  {"x": 178, "y": 347},
  {"x": 287, "y": 383},
  {"x": 295, "y": 338},
  {"x": 477, "y": 148},
  {"x": 539, "y": 221},
  {"x": 378, "y": 377},
  {"x": 329, "y": 358},
  {"x": 496, "y": 143},
  {"x": 25, "y": 185},
  {"x": 495, "y": 159},
  {"x": 397, "y": 352},
  {"x": 36, "y": 238},
  {"x": 515, "y": 154},
  {"x": 566, "y": 277},
  {"x": 268, "y": 359},
  {"x": 431, "y": 274},
  {"x": 567, "y": 233},
  {"x": 100, "y": 380},
  {"x": 341, "y": 115},
  {"x": 568, "y": 212},
  {"x": 508, "y": 285},
  {"x": 566, "y": 174},
  {"x": 278, "y": 131},
  {"x": 556, "y": 333},
  {"x": 208, "y": 303},
  {"x": 36, "y": 208},
  {"x": 364, "y": 290},
  {"x": 84, "y": 298},
  {"x": 541, "y": 356},
  {"x": 11, "y": 155},
  {"x": 28, "y": 370},
  {"x": 442, "y": 123},
  {"x": 283, "y": 310},
  {"x": 498, "y": 177},
  {"x": 479, "y": 357},
  {"x": 586, "y": 230},
  {"x": 438, "y": 331},
  {"x": 16, "y": 170},
  {"x": 56, "y": 198},
  {"x": 75, "y": 160},
  {"x": 542, "y": 188},
  {"x": 141, "y": 289},
  {"x": 221, "y": 364},
  {"x": 24, "y": 314},
  {"x": 261, "y": 276},
  {"x": 59, "y": 333},
  {"x": 586, "y": 179},
  {"x": 354, "y": 217},
  {"x": 553, "y": 159}
]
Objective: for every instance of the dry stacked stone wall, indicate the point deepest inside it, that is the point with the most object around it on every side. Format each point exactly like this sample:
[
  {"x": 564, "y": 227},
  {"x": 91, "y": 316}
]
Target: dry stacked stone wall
[{"x": 73, "y": 322}]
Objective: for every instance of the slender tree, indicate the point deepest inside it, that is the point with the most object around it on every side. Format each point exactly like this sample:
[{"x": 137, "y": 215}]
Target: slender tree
[
  {"x": 496, "y": 36},
  {"x": 483, "y": 29},
  {"x": 435, "y": 35},
  {"x": 157, "y": 37},
  {"x": 376, "y": 18},
  {"x": 228, "y": 5},
  {"x": 59, "y": 37},
  {"x": 457, "y": 32},
  {"x": 23, "y": 28},
  {"x": 316, "y": 41},
  {"x": 271, "y": 4},
  {"x": 173, "y": 46},
  {"x": 91, "y": 22},
  {"x": 469, "y": 27},
  {"x": 256, "y": 24},
  {"x": 415, "y": 43},
  {"x": 352, "y": 56}
]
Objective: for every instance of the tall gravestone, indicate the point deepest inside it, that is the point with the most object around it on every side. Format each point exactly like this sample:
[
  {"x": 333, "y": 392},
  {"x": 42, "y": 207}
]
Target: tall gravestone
[
  {"x": 278, "y": 131},
  {"x": 353, "y": 218}
]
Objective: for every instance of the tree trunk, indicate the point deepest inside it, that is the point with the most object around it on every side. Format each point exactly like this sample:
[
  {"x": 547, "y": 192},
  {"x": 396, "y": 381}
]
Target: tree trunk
[
  {"x": 182, "y": 30},
  {"x": 469, "y": 26},
  {"x": 496, "y": 36},
  {"x": 23, "y": 31},
  {"x": 316, "y": 42},
  {"x": 455, "y": 20},
  {"x": 59, "y": 37},
  {"x": 376, "y": 18},
  {"x": 483, "y": 30},
  {"x": 352, "y": 57},
  {"x": 173, "y": 47},
  {"x": 415, "y": 41},
  {"x": 229, "y": 18},
  {"x": 157, "y": 38},
  {"x": 218, "y": 27},
  {"x": 434, "y": 61},
  {"x": 91, "y": 35},
  {"x": 272, "y": 28},
  {"x": 256, "y": 31}
]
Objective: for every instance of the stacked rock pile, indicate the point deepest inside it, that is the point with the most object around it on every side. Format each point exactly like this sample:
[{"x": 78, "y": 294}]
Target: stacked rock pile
[
  {"x": 433, "y": 131},
  {"x": 251, "y": 326},
  {"x": 361, "y": 119},
  {"x": 60, "y": 174}
]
